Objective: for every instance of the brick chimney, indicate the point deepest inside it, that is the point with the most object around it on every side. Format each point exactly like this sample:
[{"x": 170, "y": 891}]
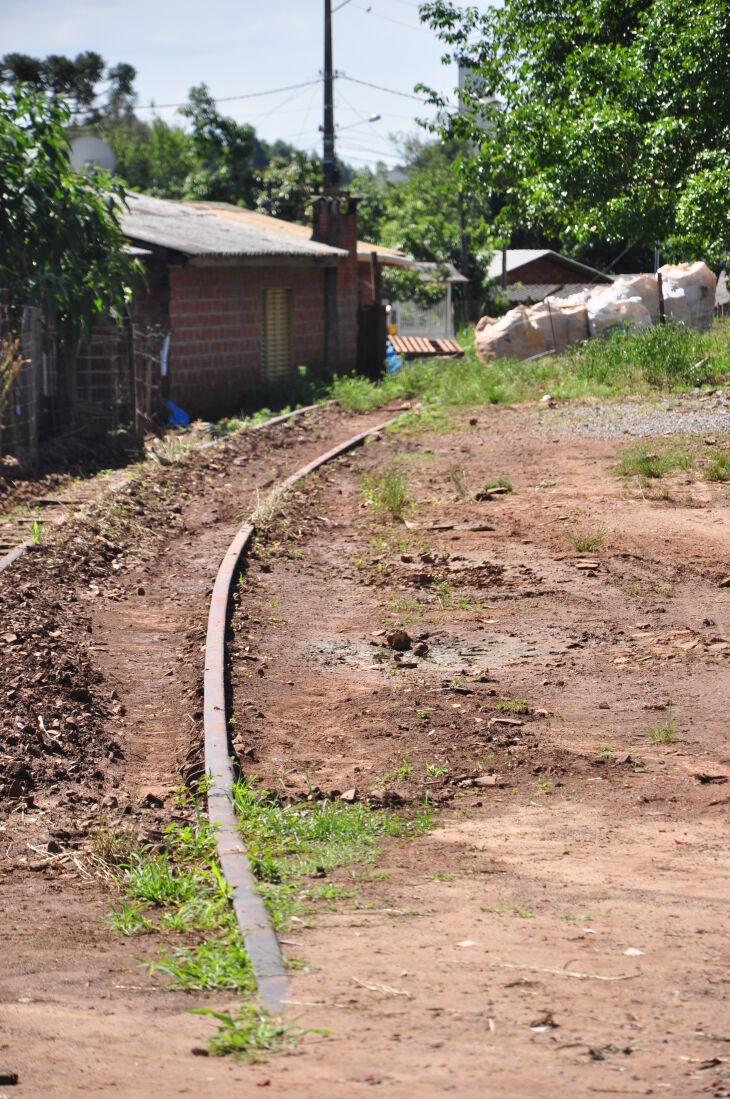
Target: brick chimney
[{"x": 335, "y": 223}]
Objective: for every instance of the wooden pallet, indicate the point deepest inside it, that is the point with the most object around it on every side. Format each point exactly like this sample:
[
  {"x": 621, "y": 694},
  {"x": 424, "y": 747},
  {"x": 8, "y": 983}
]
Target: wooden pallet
[{"x": 421, "y": 345}]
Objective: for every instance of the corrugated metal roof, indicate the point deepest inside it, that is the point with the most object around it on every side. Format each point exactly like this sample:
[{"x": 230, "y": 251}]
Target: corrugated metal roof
[
  {"x": 207, "y": 229},
  {"x": 387, "y": 257},
  {"x": 520, "y": 257}
]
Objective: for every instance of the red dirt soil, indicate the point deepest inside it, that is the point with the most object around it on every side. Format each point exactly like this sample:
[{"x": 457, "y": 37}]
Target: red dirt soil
[{"x": 562, "y": 928}]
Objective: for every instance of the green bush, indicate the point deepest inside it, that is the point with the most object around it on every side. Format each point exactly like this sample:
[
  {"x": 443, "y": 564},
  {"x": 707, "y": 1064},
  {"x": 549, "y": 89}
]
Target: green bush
[{"x": 665, "y": 357}]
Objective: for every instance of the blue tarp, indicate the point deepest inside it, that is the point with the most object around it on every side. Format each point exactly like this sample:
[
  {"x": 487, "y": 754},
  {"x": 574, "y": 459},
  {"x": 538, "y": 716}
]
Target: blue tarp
[
  {"x": 178, "y": 418},
  {"x": 393, "y": 362}
]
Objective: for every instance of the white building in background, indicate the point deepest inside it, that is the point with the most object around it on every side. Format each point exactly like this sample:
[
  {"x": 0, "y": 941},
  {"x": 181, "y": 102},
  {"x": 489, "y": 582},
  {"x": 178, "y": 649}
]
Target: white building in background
[
  {"x": 472, "y": 84},
  {"x": 435, "y": 322}
]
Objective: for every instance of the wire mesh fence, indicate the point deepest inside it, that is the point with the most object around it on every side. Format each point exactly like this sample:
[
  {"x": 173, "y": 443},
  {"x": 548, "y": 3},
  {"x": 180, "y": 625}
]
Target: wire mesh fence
[
  {"x": 104, "y": 380},
  {"x": 108, "y": 383}
]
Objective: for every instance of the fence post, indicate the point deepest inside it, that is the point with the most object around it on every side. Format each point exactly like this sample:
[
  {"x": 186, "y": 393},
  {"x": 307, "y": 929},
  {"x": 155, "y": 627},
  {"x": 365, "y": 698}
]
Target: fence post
[{"x": 30, "y": 374}]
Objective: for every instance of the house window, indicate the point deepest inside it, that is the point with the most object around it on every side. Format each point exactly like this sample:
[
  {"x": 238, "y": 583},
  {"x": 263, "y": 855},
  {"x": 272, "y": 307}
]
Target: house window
[{"x": 278, "y": 357}]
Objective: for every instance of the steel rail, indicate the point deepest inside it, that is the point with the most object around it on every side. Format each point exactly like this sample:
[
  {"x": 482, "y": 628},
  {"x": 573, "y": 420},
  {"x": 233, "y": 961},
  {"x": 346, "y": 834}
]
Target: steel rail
[
  {"x": 262, "y": 945},
  {"x": 13, "y": 555}
]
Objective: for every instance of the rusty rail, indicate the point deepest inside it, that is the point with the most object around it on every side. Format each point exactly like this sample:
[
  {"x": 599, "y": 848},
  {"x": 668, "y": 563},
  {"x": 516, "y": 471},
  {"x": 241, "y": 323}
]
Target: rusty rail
[{"x": 259, "y": 936}]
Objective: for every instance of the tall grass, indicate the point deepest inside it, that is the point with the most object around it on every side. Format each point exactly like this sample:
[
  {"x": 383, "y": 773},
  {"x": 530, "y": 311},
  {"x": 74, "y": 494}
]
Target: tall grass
[
  {"x": 669, "y": 357},
  {"x": 652, "y": 461}
]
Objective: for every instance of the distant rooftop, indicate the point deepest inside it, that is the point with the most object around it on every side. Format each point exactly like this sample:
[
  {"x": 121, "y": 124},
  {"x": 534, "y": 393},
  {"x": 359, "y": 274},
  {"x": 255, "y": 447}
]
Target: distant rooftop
[
  {"x": 441, "y": 272},
  {"x": 520, "y": 257}
]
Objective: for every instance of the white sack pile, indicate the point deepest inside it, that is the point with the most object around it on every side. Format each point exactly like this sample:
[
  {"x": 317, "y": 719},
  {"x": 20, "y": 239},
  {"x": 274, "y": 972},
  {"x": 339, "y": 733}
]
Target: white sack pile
[{"x": 630, "y": 301}]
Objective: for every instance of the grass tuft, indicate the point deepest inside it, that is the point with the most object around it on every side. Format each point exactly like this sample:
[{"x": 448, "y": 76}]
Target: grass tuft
[
  {"x": 652, "y": 461},
  {"x": 251, "y": 1034},
  {"x": 514, "y": 706},
  {"x": 288, "y": 843},
  {"x": 501, "y": 482},
  {"x": 386, "y": 492},
  {"x": 585, "y": 542},
  {"x": 217, "y": 963},
  {"x": 663, "y": 733},
  {"x": 718, "y": 469}
]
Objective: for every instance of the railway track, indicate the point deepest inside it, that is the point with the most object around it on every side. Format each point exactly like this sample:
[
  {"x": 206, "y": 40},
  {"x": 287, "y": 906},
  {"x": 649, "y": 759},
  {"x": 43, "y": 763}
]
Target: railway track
[
  {"x": 55, "y": 511},
  {"x": 259, "y": 937},
  {"x": 80, "y": 598}
]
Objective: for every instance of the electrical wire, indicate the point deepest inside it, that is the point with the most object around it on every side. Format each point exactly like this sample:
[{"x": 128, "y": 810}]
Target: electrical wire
[
  {"x": 381, "y": 158},
  {"x": 231, "y": 98},
  {"x": 355, "y": 110},
  {"x": 370, "y": 10},
  {"x": 306, "y": 117},
  {"x": 274, "y": 110},
  {"x": 381, "y": 88}
]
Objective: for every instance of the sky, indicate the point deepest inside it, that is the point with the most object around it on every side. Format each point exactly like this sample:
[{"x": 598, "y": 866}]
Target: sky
[{"x": 251, "y": 46}]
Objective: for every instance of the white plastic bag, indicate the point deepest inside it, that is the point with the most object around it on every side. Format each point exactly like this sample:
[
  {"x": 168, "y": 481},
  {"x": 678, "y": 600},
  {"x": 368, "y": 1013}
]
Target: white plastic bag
[
  {"x": 511, "y": 337},
  {"x": 605, "y": 314},
  {"x": 559, "y": 324},
  {"x": 689, "y": 293},
  {"x": 643, "y": 287}
]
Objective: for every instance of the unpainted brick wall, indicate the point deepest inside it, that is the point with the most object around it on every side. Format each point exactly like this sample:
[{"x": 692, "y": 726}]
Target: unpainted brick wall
[
  {"x": 216, "y": 323},
  {"x": 365, "y": 279}
]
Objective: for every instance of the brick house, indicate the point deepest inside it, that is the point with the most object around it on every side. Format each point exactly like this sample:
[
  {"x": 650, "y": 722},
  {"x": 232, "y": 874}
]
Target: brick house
[
  {"x": 534, "y": 273},
  {"x": 248, "y": 298}
]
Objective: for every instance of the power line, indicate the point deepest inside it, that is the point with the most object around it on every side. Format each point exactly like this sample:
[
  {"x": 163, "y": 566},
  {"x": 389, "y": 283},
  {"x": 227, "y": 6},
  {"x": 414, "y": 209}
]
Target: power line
[
  {"x": 359, "y": 148},
  {"x": 275, "y": 109},
  {"x": 302, "y": 129},
  {"x": 380, "y": 88},
  {"x": 369, "y": 159},
  {"x": 273, "y": 91},
  {"x": 231, "y": 98},
  {"x": 389, "y": 19}
]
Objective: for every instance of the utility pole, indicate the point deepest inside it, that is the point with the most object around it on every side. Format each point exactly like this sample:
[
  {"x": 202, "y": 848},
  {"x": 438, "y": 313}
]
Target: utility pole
[{"x": 329, "y": 167}]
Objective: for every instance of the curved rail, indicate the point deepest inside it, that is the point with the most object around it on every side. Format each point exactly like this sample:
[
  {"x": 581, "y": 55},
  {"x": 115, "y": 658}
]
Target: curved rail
[
  {"x": 259, "y": 936},
  {"x": 13, "y": 555}
]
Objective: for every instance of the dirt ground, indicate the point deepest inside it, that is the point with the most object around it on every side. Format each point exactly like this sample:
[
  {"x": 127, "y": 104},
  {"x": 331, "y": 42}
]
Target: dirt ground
[{"x": 562, "y": 926}]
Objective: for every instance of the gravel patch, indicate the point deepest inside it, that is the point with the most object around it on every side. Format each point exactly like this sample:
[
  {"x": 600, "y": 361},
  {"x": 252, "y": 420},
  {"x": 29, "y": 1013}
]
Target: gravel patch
[{"x": 692, "y": 414}]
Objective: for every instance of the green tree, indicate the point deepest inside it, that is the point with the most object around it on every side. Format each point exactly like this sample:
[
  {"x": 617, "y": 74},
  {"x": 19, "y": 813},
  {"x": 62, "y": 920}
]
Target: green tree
[
  {"x": 597, "y": 119},
  {"x": 73, "y": 80},
  {"x": 61, "y": 246},
  {"x": 225, "y": 153},
  {"x": 287, "y": 186},
  {"x": 122, "y": 95},
  {"x": 420, "y": 215},
  {"x": 152, "y": 157}
]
